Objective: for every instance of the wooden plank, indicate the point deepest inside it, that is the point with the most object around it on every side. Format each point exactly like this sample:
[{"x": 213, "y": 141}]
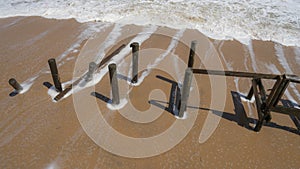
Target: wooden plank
[
  {"x": 236, "y": 74},
  {"x": 293, "y": 78},
  {"x": 286, "y": 110},
  {"x": 100, "y": 65},
  {"x": 117, "y": 51}
]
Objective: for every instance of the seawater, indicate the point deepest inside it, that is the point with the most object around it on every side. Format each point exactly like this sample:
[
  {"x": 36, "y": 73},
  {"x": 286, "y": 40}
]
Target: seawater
[{"x": 275, "y": 20}]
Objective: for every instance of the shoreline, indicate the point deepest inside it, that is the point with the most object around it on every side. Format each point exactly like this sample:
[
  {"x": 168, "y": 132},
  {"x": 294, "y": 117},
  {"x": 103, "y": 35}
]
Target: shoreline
[{"x": 244, "y": 41}]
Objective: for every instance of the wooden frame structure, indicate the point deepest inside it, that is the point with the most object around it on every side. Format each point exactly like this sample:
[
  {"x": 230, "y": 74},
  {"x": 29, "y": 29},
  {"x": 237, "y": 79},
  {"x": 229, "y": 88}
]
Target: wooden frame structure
[{"x": 264, "y": 103}]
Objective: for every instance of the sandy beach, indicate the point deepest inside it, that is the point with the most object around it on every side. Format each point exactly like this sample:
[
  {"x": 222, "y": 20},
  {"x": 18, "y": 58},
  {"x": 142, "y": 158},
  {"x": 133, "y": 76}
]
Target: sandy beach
[{"x": 36, "y": 132}]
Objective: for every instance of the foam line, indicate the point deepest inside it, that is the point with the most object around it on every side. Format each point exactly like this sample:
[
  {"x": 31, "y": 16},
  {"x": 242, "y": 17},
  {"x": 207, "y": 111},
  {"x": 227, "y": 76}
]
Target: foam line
[
  {"x": 276, "y": 20},
  {"x": 12, "y": 23},
  {"x": 297, "y": 54},
  {"x": 85, "y": 34},
  {"x": 109, "y": 41},
  {"x": 228, "y": 66},
  {"x": 282, "y": 60},
  {"x": 252, "y": 56}
]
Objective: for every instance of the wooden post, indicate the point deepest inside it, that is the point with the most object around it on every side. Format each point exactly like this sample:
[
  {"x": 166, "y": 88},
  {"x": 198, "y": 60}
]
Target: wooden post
[
  {"x": 177, "y": 98},
  {"x": 114, "y": 83},
  {"x": 172, "y": 98},
  {"x": 264, "y": 107},
  {"x": 13, "y": 82},
  {"x": 185, "y": 91},
  {"x": 192, "y": 53},
  {"x": 135, "y": 61},
  {"x": 258, "y": 106},
  {"x": 92, "y": 68},
  {"x": 281, "y": 90},
  {"x": 55, "y": 76}
]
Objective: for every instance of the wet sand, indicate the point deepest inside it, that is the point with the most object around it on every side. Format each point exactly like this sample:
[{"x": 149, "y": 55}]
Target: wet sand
[{"x": 36, "y": 132}]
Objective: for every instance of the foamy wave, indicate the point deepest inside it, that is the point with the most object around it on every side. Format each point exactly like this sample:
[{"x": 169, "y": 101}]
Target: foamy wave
[{"x": 276, "y": 20}]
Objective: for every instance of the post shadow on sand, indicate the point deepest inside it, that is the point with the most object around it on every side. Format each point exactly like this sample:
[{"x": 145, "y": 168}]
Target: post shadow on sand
[
  {"x": 123, "y": 77},
  {"x": 285, "y": 103},
  {"x": 47, "y": 84},
  {"x": 174, "y": 98},
  {"x": 296, "y": 119},
  {"x": 240, "y": 113},
  {"x": 13, "y": 93},
  {"x": 240, "y": 116},
  {"x": 101, "y": 97}
]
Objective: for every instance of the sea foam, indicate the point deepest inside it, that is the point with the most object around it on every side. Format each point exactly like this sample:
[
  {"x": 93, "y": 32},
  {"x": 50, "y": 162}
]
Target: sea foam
[{"x": 275, "y": 20}]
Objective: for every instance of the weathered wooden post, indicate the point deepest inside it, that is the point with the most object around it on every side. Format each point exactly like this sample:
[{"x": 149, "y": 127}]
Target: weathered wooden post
[
  {"x": 185, "y": 91},
  {"x": 55, "y": 76},
  {"x": 114, "y": 83},
  {"x": 90, "y": 73},
  {"x": 178, "y": 98},
  {"x": 192, "y": 53},
  {"x": 258, "y": 102},
  {"x": 172, "y": 97},
  {"x": 265, "y": 108},
  {"x": 13, "y": 82},
  {"x": 135, "y": 61},
  {"x": 280, "y": 90}
]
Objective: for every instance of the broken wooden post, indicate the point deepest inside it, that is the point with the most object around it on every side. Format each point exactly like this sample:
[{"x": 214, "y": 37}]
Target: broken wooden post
[
  {"x": 192, "y": 53},
  {"x": 135, "y": 62},
  {"x": 114, "y": 83},
  {"x": 55, "y": 76},
  {"x": 92, "y": 68},
  {"x": 13, "y": 82},
  {"x": 185, "y": 91}
]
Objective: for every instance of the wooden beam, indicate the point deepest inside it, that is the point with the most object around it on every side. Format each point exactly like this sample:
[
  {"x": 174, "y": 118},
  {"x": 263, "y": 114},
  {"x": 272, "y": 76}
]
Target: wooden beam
[
  {"x": 293, "y": 78},
  {"x": 103, "y": 62},
  {"x": 286, "y": 110},
  {"x": 235, "y": 74}
]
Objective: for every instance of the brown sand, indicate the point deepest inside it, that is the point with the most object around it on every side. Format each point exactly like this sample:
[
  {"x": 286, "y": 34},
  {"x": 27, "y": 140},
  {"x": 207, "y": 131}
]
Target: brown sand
[{"x": 38, "y": 133}]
